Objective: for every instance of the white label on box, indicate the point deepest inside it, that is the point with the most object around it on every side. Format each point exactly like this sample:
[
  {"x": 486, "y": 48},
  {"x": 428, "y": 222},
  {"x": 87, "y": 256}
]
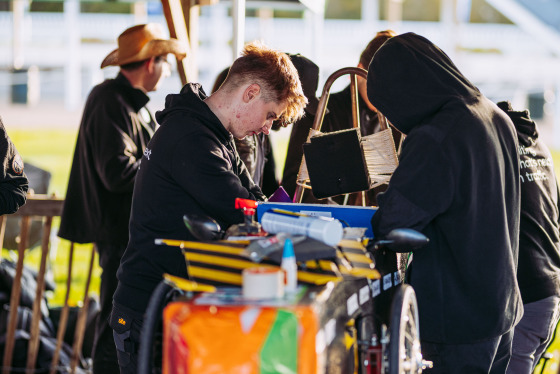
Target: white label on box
[
  {"x": 315, "y": 213},
  {"x": 397, "y": 278},
  {"x": 387, "y": 283},
  {"x": 330, "y": 331},
  {"x": 364, "y": 294},
  {"x": 352, "y": 304},
  {"x": 320, "y": 343},
  {"x": 376, "y": 287}
]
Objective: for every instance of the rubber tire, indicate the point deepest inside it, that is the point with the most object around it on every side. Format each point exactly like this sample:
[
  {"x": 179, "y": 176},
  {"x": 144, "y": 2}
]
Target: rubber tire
[
  {"x": 404, "y": 334},
  {"x": 152, "y": 321}
]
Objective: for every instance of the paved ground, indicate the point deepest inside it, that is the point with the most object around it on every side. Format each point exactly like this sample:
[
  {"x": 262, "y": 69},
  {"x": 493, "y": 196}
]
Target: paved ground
[{"x": 43, "y": 115}]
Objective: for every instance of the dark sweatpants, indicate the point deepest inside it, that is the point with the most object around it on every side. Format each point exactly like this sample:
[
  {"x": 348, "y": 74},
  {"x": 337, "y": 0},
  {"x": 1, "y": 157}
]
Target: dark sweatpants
[
  {"x": 104, "y": 351},
  {"x": 489, "y": 357}
]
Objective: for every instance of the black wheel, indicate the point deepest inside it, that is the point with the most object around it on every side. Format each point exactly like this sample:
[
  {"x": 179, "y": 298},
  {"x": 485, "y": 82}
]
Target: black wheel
[
  {"x": 150, "y": 341},
  {"x": 404, "y": 335}
]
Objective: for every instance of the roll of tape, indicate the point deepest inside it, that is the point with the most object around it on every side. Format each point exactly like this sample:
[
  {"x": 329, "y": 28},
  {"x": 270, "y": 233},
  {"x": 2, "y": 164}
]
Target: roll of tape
[{"x": 263, "y": 283}]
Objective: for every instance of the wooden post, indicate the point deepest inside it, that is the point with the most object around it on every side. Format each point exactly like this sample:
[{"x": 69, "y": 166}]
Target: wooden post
[
  {"x": 3, "y": 220},
  {"x": 64, "y": 314},
  {"x": 82, "y": 318},
  {"x": 175, "y": 17},
  {"x": 33, "y": 347},
  {"x": 14, "y": 298},
  {"x": 46, "y": 207}
]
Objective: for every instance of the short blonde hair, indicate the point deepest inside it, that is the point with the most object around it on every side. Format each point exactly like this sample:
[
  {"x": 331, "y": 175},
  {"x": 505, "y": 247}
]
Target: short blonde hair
[{"x": 274, "y": 72}]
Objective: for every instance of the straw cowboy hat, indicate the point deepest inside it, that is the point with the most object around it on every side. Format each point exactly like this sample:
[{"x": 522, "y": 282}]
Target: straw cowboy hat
[{"x": 142, "y": 42}]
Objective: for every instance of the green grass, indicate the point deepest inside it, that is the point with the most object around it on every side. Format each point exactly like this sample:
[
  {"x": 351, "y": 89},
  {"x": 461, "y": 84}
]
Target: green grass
[
  {"x": 52, "y": 150},
  {"x": 552, "y": 365}
]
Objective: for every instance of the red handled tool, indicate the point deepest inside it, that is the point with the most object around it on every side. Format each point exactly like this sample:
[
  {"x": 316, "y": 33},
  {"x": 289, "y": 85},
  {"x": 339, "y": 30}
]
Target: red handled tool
[{"x": 250, "y": 226}]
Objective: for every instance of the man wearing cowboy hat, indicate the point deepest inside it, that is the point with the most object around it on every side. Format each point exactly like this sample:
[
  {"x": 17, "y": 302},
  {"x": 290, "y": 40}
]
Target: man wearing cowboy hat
[{"x": 115, "y": 128}]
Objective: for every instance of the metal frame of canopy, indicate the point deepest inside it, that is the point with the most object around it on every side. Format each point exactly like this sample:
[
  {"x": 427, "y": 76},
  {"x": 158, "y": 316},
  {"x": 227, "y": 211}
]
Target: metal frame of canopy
[{"x": 182, "y": 21}]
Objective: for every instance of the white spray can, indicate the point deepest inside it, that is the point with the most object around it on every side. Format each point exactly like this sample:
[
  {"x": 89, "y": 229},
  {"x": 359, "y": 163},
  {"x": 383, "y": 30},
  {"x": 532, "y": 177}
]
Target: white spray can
[{"x": 328, "y": 231}]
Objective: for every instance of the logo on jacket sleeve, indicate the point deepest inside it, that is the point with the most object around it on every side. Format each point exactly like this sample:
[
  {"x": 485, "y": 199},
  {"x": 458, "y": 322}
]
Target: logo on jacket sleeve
[
  {"x": 147, "y": 153},
  {"x": 17, "y": 165},
  {"x": 122, "y": 321}
]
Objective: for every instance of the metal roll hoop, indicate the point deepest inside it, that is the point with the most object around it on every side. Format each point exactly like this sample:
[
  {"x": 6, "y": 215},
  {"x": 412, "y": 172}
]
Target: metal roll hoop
[{"x": 379, "y": 150}]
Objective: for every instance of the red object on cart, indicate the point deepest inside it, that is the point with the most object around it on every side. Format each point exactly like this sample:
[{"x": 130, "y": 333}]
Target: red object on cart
[{"x": 250, "y": 226}]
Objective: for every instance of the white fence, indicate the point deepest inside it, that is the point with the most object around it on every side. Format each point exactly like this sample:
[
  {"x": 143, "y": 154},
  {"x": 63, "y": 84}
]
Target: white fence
[{"x": 502, "y": 60}]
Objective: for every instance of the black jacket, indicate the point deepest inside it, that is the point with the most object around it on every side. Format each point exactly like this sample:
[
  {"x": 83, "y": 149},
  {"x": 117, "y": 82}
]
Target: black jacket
[
  {"x": 114, "y": 131},
  {"x": 538, "y": 272},
  {"x": 458, "y": 183},
  {"x": 258, "y": 157},
  {"x": 294, "y": 155},
  {"x": 13, "y": 182},
  {"x": 189, "y": 167},
  {"x": 339, "y": 116}
]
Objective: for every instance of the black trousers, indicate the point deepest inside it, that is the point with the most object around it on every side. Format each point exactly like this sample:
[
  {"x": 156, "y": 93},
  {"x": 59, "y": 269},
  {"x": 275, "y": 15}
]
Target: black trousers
[
  {"x": 104, "y": 351},
  {"x": 126, "y": 327},
  {"x": 487, "y": 357}
]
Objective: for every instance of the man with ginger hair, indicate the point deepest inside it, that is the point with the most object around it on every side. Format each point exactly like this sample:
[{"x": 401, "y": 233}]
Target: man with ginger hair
[
  {"x": 116, "y": 126},
  {"x": 191, "y": 167}
]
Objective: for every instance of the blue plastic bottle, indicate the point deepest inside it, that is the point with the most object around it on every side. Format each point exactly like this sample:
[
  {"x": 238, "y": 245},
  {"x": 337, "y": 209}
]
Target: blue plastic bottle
[{"x": 289, "y": 266}]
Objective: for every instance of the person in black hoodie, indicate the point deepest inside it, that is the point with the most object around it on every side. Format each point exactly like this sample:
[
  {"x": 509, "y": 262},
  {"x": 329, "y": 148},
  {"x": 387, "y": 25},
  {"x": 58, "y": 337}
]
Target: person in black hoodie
[
  {"x": 309, "y": 76},
  {"x": 191, "y": 167},
  {"x": 458, "y": 183},
  {"x": 538, "y": 272},
  {"x": 115, "y": 128}
]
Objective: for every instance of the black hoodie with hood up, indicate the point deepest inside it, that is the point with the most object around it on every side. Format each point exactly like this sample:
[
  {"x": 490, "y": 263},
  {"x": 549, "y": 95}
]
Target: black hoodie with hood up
[
  {"x": 538, "y": 272},
  {"x": 189, "y": 167},
  {"x": 458, "y": 183}
]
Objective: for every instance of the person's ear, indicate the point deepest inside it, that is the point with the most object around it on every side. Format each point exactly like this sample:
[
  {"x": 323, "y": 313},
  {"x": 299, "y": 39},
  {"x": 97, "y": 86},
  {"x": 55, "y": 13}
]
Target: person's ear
[
  {"x": 150, "y": 64},
  {"x": 251, "y": 92}
]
